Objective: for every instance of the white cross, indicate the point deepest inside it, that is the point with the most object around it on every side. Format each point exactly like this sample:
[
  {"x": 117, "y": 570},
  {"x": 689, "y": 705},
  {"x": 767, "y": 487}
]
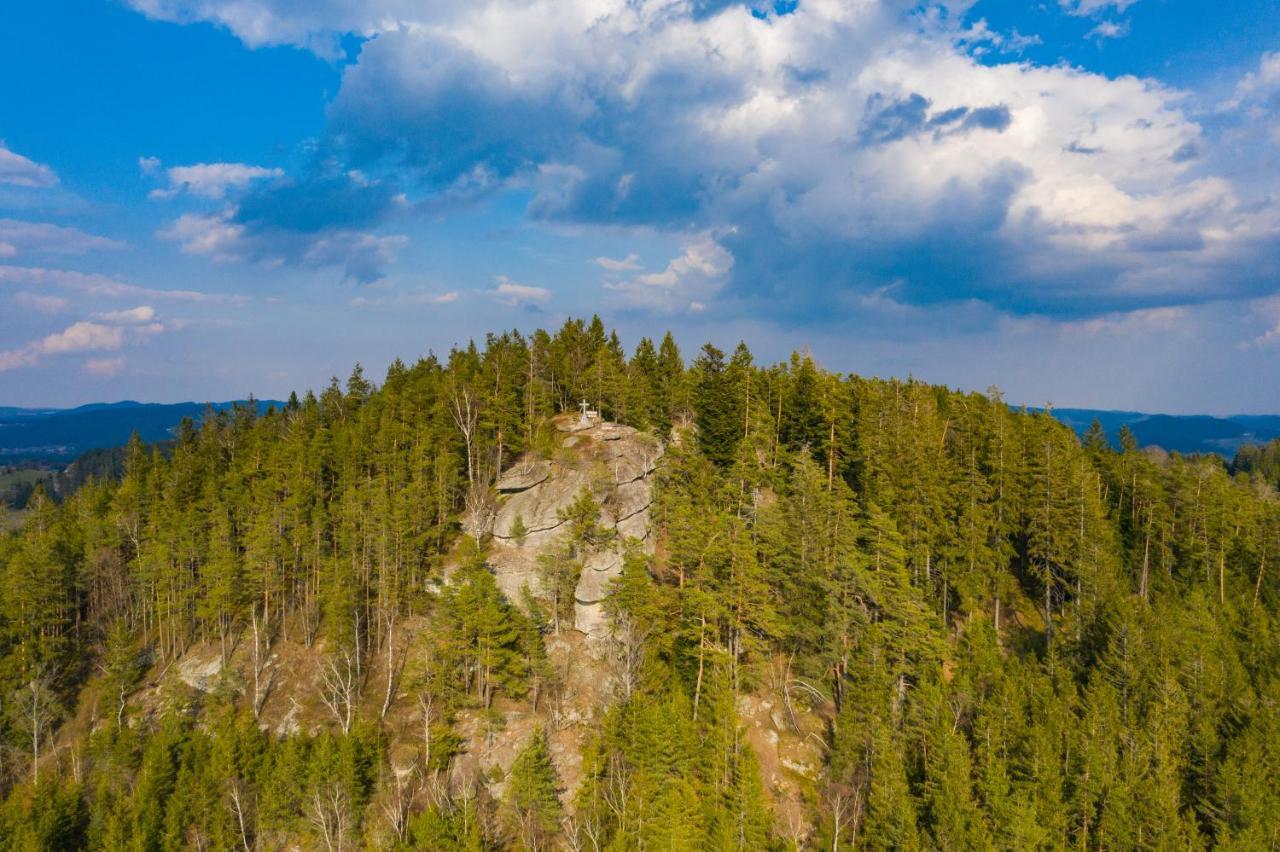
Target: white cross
[{"x": 583, "y": 405}]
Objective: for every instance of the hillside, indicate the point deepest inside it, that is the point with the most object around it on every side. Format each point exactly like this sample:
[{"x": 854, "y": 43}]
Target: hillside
[
  {"x": 59, "y": 435},
  {"x": 1177, "y": 433},
  {"x": 737, "y": 607}
]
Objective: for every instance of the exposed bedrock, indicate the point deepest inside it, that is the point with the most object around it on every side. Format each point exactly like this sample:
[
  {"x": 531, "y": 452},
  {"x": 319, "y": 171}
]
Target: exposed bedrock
[{"x": 615, "y": 464}]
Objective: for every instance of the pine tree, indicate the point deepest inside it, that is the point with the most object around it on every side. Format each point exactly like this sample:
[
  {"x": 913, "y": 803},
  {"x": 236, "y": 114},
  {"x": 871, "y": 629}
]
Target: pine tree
[
  {"x": 531, "y": 802},
  {"x": 673, "y": 396},
  {"x": 718, "y": 409}
]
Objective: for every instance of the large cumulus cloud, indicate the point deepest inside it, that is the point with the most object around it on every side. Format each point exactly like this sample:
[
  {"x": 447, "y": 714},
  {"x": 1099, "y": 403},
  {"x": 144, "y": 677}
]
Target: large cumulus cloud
[{"x": 831, "y": 148}]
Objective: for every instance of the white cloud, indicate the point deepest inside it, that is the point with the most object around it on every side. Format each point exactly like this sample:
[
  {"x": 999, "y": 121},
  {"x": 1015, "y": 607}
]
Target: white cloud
[
  {"x": 19, "y": 237},
  {"x": 704, "y": 259},
  {"x": 104, "y": 367},
  {"x": 82, "y": 337},
  {"x": 1265, "y": 79},
  {"x": 132, "y": 327},
  {"x": 1109, "y": 29},
  {"x": 1142, "y": 321},
  {"x": 315, "y": 25},
  {"x": 17, "y": 170},
  {"x": 206, "y": 180},
  {"x": 421, "y": 297},
  {"x": 14, "y": 359},
  {"x": 1268, "y": 310},
  {"x": 690, "y": 280},
  {"x": 979, "y": 39},
  {"x": 1257, "y": 94},
  {"x": 630, "y": 263},
  {"x": 513, "y": 293},
  {"x": 41, "y": 303},
  {"x": 214, "y": 235},
  {"x": 133, "y": 316},
  {"x": 103, "y": 286},
  {"x": 1092, "y": 7},
  {"x": 1270, "y": 338}
]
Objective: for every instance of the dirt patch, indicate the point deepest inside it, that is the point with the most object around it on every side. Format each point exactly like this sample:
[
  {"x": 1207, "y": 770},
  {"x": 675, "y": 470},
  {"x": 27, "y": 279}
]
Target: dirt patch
[{"x": 790, "y": 748}]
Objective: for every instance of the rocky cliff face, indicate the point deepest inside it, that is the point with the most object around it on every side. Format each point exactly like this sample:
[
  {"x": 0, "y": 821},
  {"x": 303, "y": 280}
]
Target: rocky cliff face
[{"x": 616, "y": 465}]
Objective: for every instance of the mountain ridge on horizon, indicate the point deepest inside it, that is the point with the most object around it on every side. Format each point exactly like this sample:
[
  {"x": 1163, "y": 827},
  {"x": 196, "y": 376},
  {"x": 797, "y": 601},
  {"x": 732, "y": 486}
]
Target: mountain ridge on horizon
[
  {"x": 1183, "y": 433},
  {"x": 61, "y": 434}
]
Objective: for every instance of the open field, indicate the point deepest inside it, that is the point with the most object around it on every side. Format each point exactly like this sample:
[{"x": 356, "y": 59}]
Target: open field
[{"x": 13, "y": 480}]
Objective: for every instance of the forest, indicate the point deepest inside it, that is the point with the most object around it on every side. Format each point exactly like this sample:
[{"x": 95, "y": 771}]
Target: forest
[{"x": 994, "y": 634}]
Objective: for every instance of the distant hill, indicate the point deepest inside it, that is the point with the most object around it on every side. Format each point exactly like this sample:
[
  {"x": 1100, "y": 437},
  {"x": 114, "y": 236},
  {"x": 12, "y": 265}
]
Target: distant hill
[
  {"x": 1198, "y": 433},
  {"x": 30, "y": 434}
]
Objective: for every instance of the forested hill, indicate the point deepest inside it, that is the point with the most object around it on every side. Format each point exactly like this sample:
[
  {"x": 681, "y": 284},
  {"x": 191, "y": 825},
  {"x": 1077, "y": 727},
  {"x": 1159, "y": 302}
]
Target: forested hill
[
  {"x": 859, "y": 614},
  {"x": 1177, "y": 433},
  {"x": 59, "y": 435}
]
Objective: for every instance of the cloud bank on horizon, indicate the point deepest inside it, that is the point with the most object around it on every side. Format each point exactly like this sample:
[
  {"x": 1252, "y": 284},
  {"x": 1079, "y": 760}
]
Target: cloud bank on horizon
[{"x": 895, "y": 182}]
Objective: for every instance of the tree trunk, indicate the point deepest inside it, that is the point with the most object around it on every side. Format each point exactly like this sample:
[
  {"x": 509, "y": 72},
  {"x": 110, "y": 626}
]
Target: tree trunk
[
  {"x": 1222, "y": 577},
  {"x": 1146, "y": 564},
  {"x": 391, "y": 678},
  {"x": 697, "y": 689},
  {"x": 1257, "y": 587}
]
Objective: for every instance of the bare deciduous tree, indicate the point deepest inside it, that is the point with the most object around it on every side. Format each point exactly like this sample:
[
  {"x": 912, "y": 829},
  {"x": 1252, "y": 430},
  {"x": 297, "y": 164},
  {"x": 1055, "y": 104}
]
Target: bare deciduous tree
[
  {"x": 845, "y": 801},
  {"x": 36, "y": 710},
  {"x": 617, "y": 788},
  {"x": 261, "y": 649},
  {"x": 338, "y": 688},
  {"x": 581, "y": 833},
  {"x": 796, "y": 828},
  {"x": 241, "y": 804},
  {"x": 331, "y": 815},
  {"x": 397, "y": 802},
  {"x": 466, "y": 416},
  {"x": 629, "y": 641},
  {"x": 426, "y": 702},
  {"x": 395, "y": 662}
]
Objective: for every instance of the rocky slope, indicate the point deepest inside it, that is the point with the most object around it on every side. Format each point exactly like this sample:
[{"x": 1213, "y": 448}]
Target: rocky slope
[{"x": 615, "y": 464}]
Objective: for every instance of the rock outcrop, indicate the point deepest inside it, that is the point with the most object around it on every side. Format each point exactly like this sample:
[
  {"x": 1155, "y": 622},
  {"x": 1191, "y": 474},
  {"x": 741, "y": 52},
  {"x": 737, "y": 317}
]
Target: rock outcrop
[{"x": 615, "y": 464}]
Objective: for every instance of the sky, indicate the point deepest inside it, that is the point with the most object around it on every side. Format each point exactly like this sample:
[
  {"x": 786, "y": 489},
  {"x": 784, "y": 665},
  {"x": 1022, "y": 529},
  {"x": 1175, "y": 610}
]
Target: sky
[{"x": 1075, "y": 201}]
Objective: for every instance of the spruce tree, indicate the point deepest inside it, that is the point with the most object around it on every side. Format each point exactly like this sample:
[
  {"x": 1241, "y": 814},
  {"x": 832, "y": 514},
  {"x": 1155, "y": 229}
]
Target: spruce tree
[
  {"x": 717, "y": 408},
  {"x": 531, "y": 801}
]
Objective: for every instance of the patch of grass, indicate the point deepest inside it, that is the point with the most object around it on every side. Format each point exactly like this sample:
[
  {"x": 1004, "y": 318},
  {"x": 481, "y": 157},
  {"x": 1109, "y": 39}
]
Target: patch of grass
[
  {"x": 19, "y": 476},
  {"x": 16, "y": 483}
]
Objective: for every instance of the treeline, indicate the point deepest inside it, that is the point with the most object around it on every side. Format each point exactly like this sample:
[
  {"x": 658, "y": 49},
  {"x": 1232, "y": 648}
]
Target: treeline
[
  {"x": 1261, "y": 460},
  {"x": 1012, "y": 638},
  {"x": 19, "y": 482}
]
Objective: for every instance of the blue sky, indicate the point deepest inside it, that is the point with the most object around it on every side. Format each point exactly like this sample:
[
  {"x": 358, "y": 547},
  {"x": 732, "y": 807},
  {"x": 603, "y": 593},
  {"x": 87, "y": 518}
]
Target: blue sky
[{"x": 1077, "y": 201}]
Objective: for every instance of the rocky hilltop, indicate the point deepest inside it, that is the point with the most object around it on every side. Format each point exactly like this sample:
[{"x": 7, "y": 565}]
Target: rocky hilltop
[
  {"x": 615, "y": 465},
  {"x": 528, "y": 516}
]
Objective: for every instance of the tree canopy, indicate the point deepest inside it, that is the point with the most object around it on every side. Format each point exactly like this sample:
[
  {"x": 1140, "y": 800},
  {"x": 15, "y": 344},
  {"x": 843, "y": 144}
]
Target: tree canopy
[{"x": 1003, "y": 636}]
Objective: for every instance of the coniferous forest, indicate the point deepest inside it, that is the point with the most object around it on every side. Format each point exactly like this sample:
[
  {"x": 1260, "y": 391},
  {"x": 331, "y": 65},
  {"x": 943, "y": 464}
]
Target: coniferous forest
[{"x": 975, "y": 630}]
